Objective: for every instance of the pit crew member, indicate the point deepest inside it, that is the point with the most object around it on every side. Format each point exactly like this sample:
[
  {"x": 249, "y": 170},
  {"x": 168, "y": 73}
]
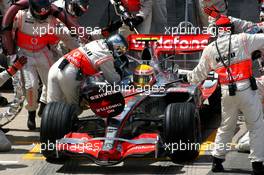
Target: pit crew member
[
  {"x": 222, "y": 7},
  {"x": 66, "y": 75},
  {"x": 28, "y": 25},
  {"x": 230, "y": 56}
]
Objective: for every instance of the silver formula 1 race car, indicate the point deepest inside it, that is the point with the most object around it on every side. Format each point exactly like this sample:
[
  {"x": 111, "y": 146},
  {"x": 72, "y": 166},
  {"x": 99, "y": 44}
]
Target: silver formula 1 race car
[{"x": 164, "y": 121}]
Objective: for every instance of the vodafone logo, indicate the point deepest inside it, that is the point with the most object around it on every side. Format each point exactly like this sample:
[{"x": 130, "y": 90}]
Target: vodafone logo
[
  {"x": 181, "y": 43},
  {"x": 76, "y": 54},
  {"x": 168, "y": 43},
  {"x": 34, "y": 41}
]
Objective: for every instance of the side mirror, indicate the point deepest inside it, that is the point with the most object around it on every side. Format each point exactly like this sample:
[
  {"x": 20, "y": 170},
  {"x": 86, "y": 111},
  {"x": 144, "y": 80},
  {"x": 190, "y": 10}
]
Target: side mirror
[{"x": 146, "y": 55}]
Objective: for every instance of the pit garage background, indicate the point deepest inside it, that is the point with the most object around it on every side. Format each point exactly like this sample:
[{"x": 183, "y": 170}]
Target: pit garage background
[
  {"x": 177, "y": 11},
  {"x": 245, "y": 9}
]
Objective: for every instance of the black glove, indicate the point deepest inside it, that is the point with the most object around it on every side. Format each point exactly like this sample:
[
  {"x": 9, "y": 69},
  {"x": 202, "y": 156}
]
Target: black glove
[
  {"x": 183, "y": 77},
  {"x": 256, "y": 55},
  {"x": 3, "y": 61},
  {"x": 133, "y": 22},
  {"x": 113, "y": 26},
  {"x": 3, "y": 101}
]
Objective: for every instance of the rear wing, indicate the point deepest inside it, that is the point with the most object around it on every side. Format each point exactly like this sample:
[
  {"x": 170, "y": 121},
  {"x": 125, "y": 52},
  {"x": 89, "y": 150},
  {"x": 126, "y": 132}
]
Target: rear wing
[{"x": 177, "y": 44}]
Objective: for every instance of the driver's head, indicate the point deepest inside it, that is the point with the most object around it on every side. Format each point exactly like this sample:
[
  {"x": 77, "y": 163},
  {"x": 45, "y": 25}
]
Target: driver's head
[
  {"x": 76, "y": 8},
  {"x": 40, "y": 9},
  {"x": 144, "y": 76},
  {"x": 224, "y": 26},
  {"x": 117, "y": 44}
]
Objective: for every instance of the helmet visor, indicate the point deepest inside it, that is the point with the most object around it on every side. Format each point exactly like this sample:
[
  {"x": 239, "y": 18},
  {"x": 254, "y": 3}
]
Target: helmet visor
[{"x": 142, "y": 80}]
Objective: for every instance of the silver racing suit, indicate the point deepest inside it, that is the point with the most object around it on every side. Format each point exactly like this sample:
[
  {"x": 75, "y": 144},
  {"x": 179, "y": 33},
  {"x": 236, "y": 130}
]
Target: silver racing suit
[
  {"x": 243, "y": 144},
  {"x": 245, "y": 100},
  {"x": 32, "y": 35},
  {"x": 90, "y": 59}
]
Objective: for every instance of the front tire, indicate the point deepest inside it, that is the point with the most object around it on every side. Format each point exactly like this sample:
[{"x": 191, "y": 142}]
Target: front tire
[
  {"x": 182, "y": 131},
  {"x": 57, "y": 120}
]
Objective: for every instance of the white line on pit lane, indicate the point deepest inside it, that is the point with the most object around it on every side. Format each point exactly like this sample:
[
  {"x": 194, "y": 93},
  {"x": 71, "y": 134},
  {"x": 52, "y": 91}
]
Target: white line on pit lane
[{"x": 8, "y": 162}]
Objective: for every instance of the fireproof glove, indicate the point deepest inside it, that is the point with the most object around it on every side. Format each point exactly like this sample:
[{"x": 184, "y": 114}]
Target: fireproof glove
[
  {"x": 113, "y": 26},
  {"x": 19, "y": 63},
  {"x": 212, "y": 11},
  {"x": 133, "y": 22},
  {"x": 256, "y": 55},
  {"x": 183, "y": 77}
]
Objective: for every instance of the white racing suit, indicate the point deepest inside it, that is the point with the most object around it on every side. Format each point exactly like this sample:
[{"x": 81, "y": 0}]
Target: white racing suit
[
  {"x": 248, "y": 27},
  {"x": 245, "y": 100},
  {"x": 244, "y": 142},
  {"x": 60, "y": 3},
  {"x": 63, "y": 84},
  {"x": 33, "y": 37}
]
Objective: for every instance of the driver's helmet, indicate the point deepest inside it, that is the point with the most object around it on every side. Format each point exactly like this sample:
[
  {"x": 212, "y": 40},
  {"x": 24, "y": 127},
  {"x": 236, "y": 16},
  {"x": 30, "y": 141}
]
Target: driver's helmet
[
  {"x": 144, "y": 75},
  {"x": 76, "y": 8},
  {"x": 117, "y": 44},
  {"x": 225, "y": 24},
  {"x": 40, "y": 9}
]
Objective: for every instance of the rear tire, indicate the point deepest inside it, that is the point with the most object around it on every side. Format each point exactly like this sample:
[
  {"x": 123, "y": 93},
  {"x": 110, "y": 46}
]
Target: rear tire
[
  {"x": 57, "y": 120},
  {"x": 182, "y": 130}
]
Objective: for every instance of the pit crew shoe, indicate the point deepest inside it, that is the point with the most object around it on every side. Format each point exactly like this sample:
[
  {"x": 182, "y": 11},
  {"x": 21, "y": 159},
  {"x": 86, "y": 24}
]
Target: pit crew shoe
[
  {"x": 217, "y": 165},
  {"x": 258, "y": 168},
  {"x": 5, "y": 130},
  {"x": 31, "y": 123},
  {"x": 5, "y": 144},
  {"x": 3, "y": 101},
  {"x": 41, "y": 108}
]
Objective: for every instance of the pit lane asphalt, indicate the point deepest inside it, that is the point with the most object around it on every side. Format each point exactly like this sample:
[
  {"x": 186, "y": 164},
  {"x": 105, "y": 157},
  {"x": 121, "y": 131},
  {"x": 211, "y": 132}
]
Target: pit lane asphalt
[{"x": 25, "y": 157}]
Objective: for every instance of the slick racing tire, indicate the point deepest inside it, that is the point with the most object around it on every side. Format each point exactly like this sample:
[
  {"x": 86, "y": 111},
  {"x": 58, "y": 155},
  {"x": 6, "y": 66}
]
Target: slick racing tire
[
  {"x": 57, "y": 120},
  {"x": 182, "y": 133}
]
